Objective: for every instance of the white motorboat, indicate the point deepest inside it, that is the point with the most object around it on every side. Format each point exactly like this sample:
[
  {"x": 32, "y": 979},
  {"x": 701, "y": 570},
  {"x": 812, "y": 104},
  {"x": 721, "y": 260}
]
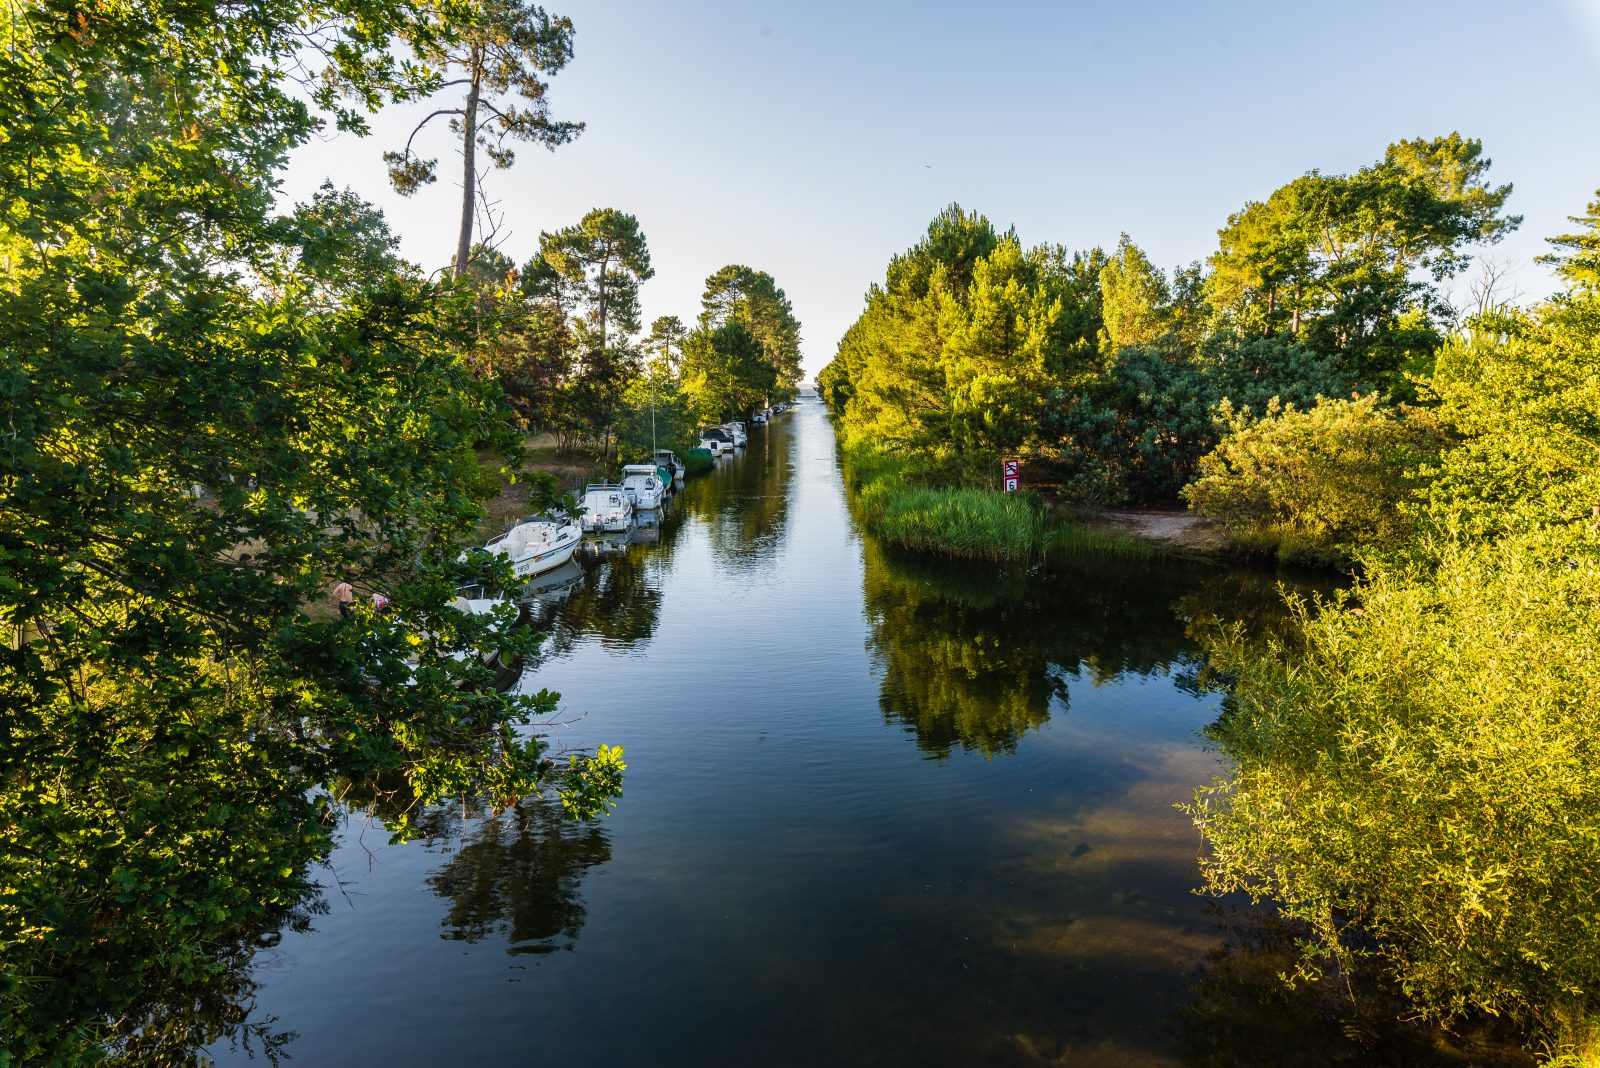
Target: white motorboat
[
  {"x": 716, "y": 440},
  {"x": 538, "y": 544},
  {"x": 643, "y": 487},
  {"x": 736, "y": 431},
  {"x": 668, "y": 461},
  {"x": 606, "y": 507}
]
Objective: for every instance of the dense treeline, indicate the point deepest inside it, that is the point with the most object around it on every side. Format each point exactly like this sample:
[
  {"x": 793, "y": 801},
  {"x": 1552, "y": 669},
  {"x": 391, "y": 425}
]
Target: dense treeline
[
  {"x": 566, "y": 345},
  {"x": 1117, "y": 373},
  {"x": 214, "y": 410},
  {"x": 1413, "y": 777}
]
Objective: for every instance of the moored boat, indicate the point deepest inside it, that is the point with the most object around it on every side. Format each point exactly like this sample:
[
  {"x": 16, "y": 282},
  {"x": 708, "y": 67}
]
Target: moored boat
[
  {"x": 538, "y": 544},
  {"x": 606, "y": 508},
  {"x": 643, "y": 486},
  {"x": 716, "y": 440},
  {"x": 668, "y": 460}
]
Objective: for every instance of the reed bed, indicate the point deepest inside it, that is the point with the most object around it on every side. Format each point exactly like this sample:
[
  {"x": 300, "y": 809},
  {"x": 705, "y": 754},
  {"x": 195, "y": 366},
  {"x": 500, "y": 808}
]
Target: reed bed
[
  {"x": 895, "y": 501},
  {"x": 965, "y": 523}
]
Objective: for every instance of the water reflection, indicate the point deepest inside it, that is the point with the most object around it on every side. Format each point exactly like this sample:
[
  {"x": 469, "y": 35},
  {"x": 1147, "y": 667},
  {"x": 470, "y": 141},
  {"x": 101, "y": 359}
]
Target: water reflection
[
  {"x": 975, "y": 658},
  {"x": 173, "y": 1019},
  {"x": 1241, "y": 1012},
  {"x": 745, "y": 502},
  {"x": 517, "y": 877}
]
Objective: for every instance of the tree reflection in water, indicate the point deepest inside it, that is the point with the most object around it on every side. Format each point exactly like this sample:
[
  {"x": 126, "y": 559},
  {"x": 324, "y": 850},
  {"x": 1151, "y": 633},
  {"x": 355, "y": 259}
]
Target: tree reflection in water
[
  {"x": 745, "y": 502},
  {"x": 518, "y": 876},
  {"x": 171, "y": 1022},
  {"x": 1241, "y": 1012},
  {"x": 973, "y": 657}
]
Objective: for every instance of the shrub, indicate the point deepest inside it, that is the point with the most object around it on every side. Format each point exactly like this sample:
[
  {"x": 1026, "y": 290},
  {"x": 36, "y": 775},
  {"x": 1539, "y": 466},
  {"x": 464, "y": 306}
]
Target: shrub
[
  {"x": 1325, "y": 485},
  {"x": 1416, "y": 781}
]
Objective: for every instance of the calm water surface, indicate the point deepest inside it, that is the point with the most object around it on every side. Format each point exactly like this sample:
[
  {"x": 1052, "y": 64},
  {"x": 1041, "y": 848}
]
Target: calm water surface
[{"x": 877, "y": 812}]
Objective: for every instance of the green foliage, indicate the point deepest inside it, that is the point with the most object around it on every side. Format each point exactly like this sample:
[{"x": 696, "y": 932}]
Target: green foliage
[
  {"x": 1139, "y": 431},
  {"x": 724, "y": 373},
  {"x": 211, "y": 415},
  {"x": 1414, "y": 778},
  {"x": 1134, "y": 299},
  {"x": 1522, "y": 396},
  {"x": 738, "y": 294},
  {"x": 1344, "y": 262},
  {"x": 1328, "y": 485},
  {"x": 956, "y": 522},
  {"x": 500, "y": 50},
  {"x": 604, "y": 258},
  {"x": 654, "y": 412},
  {"x": 594, "y": 784},
  {"x": 958, "y": 350},
  {"x": 1415, "y": 781},
  {"x": 1578, "y": 262}
]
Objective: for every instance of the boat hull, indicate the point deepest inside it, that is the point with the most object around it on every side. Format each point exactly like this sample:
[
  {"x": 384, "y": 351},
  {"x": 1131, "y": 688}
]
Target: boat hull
[{"x": 548, "y": 560}]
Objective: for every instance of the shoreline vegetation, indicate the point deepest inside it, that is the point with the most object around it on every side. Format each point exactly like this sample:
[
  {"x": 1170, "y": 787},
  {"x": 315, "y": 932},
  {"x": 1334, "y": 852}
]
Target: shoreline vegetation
[
  {"x": 1411, "y": 778},
  {"x": 913, "y": 511},
  {"x": 222, "y": 407}
]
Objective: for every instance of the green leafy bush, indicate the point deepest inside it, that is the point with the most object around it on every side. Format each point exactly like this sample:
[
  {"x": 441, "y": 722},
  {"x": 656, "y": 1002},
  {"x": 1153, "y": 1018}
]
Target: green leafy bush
[
  {"x": 1325, "y": 485},
  {"x": 1416, "y": 781}
]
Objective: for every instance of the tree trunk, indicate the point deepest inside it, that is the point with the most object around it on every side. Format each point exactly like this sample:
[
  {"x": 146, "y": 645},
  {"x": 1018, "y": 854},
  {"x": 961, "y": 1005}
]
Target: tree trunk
[
  {"x": 469, "y": 170},
  {"x": 600, "y": 294}
]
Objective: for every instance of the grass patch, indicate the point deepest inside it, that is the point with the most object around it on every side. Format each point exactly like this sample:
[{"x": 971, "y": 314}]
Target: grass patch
[
  {"x": 911, "y": 504},
  {"x": 965, "y": 523},
  {"x": 1064, "y": 538}
]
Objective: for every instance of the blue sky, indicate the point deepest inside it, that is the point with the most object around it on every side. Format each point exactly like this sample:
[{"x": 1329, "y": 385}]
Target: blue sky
[{"x": 816, "y": 140}]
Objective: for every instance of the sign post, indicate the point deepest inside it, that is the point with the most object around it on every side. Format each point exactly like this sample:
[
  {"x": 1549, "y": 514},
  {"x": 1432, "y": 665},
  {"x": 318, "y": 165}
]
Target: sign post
[{"x": 1011, "y": 473}]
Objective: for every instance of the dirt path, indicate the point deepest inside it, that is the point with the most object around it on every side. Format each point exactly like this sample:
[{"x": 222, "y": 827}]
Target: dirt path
[{"x": 1175, "y": 529}]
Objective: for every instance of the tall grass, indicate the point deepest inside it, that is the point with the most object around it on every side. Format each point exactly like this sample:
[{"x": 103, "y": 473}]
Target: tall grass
[
  {"x": 910, "y": 502},
  {"x": 966, "y": 523},
  {"x": 1066, "y": 539}
]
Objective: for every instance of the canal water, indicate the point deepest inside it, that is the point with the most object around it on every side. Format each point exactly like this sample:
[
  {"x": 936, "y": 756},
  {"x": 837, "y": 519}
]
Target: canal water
[{"x": 877, "y": 811}]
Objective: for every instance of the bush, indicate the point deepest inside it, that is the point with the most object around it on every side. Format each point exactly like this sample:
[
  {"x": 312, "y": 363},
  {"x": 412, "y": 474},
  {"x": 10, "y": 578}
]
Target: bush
[
  {"x": 1326, "y": 485},
  {"x": 1416, "y": 781}
]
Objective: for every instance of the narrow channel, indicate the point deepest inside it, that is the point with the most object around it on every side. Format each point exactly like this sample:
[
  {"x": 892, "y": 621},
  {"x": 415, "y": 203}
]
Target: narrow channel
[{"x": 876, "y": 811}]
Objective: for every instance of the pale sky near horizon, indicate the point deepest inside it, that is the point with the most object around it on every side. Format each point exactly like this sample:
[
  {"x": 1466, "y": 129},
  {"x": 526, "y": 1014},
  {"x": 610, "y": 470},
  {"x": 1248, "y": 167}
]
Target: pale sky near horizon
[{"x": 815, "y": 141}]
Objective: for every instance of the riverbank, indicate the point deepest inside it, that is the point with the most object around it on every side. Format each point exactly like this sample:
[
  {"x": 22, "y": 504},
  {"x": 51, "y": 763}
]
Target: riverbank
[
  {"x": 913, "y": 506},
  {"x": 571, "y": 470},
  {"x": 1171, "y": 529}
]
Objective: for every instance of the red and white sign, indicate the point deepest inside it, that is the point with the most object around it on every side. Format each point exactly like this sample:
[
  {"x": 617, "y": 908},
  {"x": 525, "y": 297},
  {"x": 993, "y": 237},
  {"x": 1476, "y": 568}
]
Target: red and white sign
[{"x": 1010, "y": 473}]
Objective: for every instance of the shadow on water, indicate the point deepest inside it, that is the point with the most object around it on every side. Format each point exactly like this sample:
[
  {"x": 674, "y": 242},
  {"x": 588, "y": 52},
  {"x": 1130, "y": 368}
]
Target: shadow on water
[{"x": 1241, "y": 1013}]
